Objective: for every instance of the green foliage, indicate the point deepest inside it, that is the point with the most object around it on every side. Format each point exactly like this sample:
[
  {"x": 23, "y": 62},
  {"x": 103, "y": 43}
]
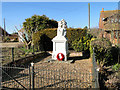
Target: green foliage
[
  {"x": 43, "y": 38},
  {"x": 103, "y": 51},
  {"x": 85, "y": 28},
  {"x": 75, "y": 34},
  {"x": 37, "y": 23},
  {"x": 115, "y": 53},
  {"x": 116, "y": 67},
  {"x": 78, "y": 45},
  {"x": 27, "y": 51},
  {"x": 91, "y": 47},
  {"x": 82, "y": 44}
]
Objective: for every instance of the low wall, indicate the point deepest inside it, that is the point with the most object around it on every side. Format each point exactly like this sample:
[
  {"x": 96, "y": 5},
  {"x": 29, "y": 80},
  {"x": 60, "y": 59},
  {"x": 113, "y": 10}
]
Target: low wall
[
  {"x": 76, "y": 54},
  {"x": 27, "y": 60}
]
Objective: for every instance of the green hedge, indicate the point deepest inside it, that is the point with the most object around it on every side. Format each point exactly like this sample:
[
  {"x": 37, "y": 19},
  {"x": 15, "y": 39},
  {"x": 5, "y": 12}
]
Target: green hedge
[{"x": 42, "y": 39}]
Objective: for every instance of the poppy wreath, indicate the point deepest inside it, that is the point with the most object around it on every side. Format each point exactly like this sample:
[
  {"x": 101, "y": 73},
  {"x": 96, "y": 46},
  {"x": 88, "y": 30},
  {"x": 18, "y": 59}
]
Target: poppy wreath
[{"x": 60, "y": 58}]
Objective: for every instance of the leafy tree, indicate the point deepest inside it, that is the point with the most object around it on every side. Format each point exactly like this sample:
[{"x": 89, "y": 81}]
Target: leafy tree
[
  {"x": 85, "y": 28},
  {"x": 37, "y": 23}
]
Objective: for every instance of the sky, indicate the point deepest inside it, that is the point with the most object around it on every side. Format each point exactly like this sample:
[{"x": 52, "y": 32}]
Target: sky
[{"x": 75, "y": 13}]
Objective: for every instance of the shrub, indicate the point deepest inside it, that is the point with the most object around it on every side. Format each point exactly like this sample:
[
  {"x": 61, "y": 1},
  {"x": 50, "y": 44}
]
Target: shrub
[
  {"x": 103, "y": 51},
  {"x": 75, "y": 34},
  {"x": 115, "y": 53},
  {"x": 116, "y": 67},
  {"x": 82, "y": 44}
]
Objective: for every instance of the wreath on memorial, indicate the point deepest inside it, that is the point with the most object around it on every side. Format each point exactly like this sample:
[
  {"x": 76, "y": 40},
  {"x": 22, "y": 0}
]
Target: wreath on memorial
[{"x": 60, "y": 56}]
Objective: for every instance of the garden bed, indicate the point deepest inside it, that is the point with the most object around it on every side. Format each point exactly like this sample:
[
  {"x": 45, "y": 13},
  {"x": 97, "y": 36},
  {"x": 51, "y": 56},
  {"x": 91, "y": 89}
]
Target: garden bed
[{"x": 109, "y": 78}]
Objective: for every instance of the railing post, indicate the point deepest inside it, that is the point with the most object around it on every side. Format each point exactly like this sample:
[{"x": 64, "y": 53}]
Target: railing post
[
  {"x": 29, "y": 78},
  {"x": 12, "y": 54},
  {"x": 32, "y": 64},
  {"x": 0, "y": 76},
  {"x": 95, "y": 71}
]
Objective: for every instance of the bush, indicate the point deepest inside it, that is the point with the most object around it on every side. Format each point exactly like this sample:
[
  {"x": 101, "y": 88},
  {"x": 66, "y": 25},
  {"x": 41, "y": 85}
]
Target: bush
[
  {"x": 75, "y": 34},
  {"x": 82, "y": 44},
  {"x": 116, "y": 67},
  {"x": 115, "y": 53},
  {"x": 103, "y": 51},
  {"x": 42, "y": 39}
]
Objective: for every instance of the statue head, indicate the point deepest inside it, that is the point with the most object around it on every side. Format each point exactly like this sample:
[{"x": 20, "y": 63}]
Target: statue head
[
  {"x": 60, "y": 24},
  {"x": 64, "y": 23}
]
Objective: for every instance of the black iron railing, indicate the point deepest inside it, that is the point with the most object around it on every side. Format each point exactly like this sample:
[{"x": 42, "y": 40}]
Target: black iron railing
[
  {"x": 95, "y": 71},
  {"x": 32, "y": 78}
]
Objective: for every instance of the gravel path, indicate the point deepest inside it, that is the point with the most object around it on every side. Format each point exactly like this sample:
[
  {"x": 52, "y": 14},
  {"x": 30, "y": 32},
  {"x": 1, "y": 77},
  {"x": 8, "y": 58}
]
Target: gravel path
[{"x": 56, "y": 74}]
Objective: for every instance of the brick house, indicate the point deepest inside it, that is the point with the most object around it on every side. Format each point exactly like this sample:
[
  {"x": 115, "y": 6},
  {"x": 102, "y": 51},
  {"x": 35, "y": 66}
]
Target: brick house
[{"x": 109, "y": 25}]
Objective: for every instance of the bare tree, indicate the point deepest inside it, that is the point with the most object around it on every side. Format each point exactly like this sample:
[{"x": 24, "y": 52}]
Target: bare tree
[
  {"x": 95, "y": 32},
  {"x": 24, "y": 39}
]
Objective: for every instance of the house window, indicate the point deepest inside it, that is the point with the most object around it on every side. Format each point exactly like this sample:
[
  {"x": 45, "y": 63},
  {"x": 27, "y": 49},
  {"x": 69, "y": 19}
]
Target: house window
[{"x": 103, "y": 19}]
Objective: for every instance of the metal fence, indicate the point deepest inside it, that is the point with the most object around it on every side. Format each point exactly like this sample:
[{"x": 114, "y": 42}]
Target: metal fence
[
  {"x": 62, "y": 79},
  {"x": 12, "y": 54},
  {"x": 15, "y": 77},
  {"x": 95, "y": 71},
  {"x": 34, "y": 78}
]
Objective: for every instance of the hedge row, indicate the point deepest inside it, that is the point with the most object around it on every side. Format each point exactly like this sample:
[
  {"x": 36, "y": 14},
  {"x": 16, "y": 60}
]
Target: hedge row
[{"x": 42, "y": 39}]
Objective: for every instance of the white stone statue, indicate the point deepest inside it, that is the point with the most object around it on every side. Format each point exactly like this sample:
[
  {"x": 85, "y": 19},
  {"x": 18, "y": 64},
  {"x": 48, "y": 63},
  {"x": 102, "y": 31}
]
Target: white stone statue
[
  {"x": 62, "y": 25},
  {"x": 60, "y": 42}
]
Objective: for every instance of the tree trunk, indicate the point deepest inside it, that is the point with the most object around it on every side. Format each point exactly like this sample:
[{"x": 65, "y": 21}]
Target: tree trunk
[{"x": 28, "y": 46}]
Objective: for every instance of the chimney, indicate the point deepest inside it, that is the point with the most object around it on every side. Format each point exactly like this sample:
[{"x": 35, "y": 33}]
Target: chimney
[{"x": 102, "y": 9}]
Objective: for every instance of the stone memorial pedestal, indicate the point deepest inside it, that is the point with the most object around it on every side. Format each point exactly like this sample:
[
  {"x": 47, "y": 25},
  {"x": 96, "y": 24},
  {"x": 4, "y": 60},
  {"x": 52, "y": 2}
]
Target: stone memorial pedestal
[{"x": 60, "y": 43}]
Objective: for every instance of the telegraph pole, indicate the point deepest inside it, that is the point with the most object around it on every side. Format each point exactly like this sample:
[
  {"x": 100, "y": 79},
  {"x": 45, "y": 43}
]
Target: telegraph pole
[{"x": 88, "y": 16}]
